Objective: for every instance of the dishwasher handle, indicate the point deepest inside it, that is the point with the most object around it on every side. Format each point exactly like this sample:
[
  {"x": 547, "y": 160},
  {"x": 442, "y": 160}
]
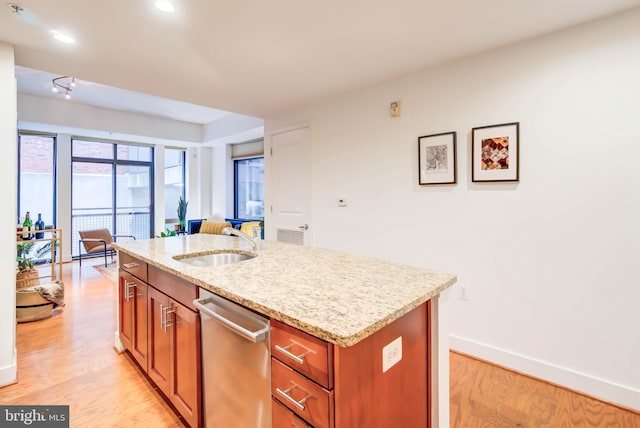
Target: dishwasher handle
[{"x": 253, "y": 336}]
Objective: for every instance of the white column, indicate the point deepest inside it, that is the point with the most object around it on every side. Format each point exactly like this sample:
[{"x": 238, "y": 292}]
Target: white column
[
  {"x": 63, "y": 192},
  {"x": 8, "y": 215},
  {"x": 158, "y": 190},
  {"x": 439, "y": 362}
]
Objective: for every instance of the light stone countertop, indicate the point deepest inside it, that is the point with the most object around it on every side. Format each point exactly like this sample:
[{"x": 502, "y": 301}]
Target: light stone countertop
[{"x": 341, "y": 298}]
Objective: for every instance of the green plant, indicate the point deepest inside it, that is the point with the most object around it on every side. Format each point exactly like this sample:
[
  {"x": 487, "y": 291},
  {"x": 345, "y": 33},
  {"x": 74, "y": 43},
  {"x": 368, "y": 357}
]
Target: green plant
[
  {"x": 166, "y": 233},
  {"x": 24, "y": 258},
  {"x": 182, "y": 211}
]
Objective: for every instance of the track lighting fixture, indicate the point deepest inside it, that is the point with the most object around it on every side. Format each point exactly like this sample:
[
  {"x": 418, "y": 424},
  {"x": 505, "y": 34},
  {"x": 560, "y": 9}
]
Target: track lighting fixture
[{"x": 63, "y": 83}]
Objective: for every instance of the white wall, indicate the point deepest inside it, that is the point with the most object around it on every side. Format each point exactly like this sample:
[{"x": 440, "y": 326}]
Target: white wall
[
  {"x": 550, "y": 263},
  {"x": 8, "y": 117},
  {"x": 222, "y": 181},
  {"x": 104, "y": 122}
]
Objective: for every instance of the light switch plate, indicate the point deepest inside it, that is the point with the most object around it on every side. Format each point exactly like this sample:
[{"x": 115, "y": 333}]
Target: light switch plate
[{"x": 391, "y": 354}]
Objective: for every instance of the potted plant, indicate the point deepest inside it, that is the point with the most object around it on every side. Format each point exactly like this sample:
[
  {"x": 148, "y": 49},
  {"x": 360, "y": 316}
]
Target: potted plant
[
  {"x": 26, "y": 274},
  {"x": 166, "y": 233},
  {"x": 182, "y": 213}
]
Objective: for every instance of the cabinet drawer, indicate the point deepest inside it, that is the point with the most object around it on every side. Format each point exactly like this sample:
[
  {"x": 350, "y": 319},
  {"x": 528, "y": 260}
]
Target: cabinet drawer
[
  {"x": 134, "y": 266},
  {"x": 180, "y": 290},
  {"x": 307, "y": 354},
  {"x": 302, "y": 396},
  {"x": 285, "y": 418}
]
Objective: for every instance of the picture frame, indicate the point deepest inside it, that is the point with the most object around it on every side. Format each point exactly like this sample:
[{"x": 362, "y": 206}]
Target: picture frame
[
  {"x": 437, "y": 159},
  {"x": 495, "y": 153}
]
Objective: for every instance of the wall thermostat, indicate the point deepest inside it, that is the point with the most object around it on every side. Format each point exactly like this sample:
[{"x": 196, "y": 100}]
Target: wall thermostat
[{"x": 394, "y": 108}]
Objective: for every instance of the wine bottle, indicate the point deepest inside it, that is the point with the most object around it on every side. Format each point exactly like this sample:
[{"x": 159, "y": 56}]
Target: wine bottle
[
  {"x": 39, "y": 226},
  {"x": 26, "y": 227}
]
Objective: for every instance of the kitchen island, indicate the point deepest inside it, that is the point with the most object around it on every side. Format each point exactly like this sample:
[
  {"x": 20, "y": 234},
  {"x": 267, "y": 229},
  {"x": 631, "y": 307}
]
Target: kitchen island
[{"x": 344, "y": 300}]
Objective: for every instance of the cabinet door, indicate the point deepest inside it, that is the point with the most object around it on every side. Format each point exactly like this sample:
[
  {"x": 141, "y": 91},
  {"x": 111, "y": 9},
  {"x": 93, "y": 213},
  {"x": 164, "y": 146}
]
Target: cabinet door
[
  {"x": 185, "y": 351},
  {"x": 126, "y": 311},
  {"x": 139, "y": 345},
  {"x": 159, "y": 357}
]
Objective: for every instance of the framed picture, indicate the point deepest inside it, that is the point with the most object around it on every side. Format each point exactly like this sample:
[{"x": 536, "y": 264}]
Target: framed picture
[
  {"x": 437, "y": 158},
  {"x": 495, "y": 153}
]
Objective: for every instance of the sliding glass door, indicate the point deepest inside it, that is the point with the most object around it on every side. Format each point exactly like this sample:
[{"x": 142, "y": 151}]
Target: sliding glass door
[{"x": 111, "y": 188}]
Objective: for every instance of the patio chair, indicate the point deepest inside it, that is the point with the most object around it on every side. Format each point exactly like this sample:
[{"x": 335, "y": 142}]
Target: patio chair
[{"x": 98, "y": 241}]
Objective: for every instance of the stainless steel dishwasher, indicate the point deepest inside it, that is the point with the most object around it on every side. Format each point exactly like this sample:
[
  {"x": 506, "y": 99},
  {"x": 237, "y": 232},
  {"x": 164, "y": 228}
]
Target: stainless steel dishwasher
[{"x": 236, "y": 371}]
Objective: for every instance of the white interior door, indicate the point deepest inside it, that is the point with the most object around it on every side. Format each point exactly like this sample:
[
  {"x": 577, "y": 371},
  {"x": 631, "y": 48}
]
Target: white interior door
[{"x": 291, "y": 185}]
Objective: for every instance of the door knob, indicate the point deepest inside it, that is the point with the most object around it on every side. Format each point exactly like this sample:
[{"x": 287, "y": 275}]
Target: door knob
[{"x": 304, "y": 227}]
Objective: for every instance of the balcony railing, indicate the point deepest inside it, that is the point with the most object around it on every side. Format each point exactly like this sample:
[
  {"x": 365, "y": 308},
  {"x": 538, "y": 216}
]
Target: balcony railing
[{"x": 133, "y": 222}]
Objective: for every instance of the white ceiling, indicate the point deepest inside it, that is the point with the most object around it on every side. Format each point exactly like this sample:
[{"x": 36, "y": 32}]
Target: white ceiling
[
  {"x": 36, "y": 82},
  {"x": 257, "y": 57}
]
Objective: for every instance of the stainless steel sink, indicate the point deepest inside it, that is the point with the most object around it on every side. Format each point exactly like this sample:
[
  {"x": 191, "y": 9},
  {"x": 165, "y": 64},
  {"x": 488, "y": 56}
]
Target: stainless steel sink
[{"x": 216, "y": 258}]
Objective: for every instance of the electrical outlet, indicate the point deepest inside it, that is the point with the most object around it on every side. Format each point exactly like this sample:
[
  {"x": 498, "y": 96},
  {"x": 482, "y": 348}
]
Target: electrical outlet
[{"x": 391, "y": 354}]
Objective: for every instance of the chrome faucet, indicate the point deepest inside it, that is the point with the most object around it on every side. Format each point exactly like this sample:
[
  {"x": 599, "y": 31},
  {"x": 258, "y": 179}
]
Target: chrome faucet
[{"x": 236, "y": 232}]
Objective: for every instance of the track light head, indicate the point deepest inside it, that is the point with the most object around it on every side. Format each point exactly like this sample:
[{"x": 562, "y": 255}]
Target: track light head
[{"x": 64, "y": 83}]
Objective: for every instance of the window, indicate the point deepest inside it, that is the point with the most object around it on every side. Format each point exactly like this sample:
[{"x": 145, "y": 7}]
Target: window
[
  {"x": 249, "y": 188},
  {"x": 174, "y": 180},
  {"x": 36, "y": 177},
  {"x": 111, "y": 187}
]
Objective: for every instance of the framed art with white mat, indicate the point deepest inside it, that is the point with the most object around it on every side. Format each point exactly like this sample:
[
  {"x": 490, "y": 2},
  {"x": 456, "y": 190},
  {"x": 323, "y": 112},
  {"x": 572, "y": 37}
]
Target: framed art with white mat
[
  {"x": 437, "y": 159},
  {"x": 495, "y": 152}
]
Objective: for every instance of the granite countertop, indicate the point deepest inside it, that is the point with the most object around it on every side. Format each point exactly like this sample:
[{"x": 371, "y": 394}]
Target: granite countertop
[{"x": 341, "y": 298}]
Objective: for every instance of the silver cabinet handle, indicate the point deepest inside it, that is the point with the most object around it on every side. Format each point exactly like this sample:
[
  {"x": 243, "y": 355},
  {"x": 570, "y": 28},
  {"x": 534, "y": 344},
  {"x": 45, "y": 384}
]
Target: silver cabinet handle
[
  {"x": 285, "y": 350},
  {"x": 128, "y": 286},
  {"x": 162, "y": 315},
  {"x": 304, "y": 227},
  {"x": 127, "y": 289},
  {"x": 168, "y": 319},
  {"x": 285, "y": 394},
  {"x": 130, "y": 265},
  {"x": 207, "y": 306}
]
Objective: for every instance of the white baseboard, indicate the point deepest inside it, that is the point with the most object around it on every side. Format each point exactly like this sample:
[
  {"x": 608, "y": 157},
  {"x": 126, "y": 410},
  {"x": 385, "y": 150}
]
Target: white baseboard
[
  {"x": 595, "y": 387},
  {"x": 9, "y": 373}
]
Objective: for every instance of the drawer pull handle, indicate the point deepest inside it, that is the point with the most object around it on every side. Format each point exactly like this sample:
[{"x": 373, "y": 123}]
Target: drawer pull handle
[
  {"x": 128, "y": 294},
  {"x": 130, "y": 265},
  {"x": 285, "y": 350},
  {"x": 168, "y": 319},
  {"x": 285, "y": 394}
]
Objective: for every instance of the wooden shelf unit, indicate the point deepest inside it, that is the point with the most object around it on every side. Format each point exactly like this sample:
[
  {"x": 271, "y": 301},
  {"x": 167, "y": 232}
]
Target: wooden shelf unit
[{"x": 55, "y": 237}]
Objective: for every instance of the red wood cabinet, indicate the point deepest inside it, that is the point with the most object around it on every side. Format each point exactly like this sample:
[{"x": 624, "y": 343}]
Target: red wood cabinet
[
  {"x": 332, "y": 386},
  {"x": 283, "y": 417},
  {"x": 159, "y": 366},
  {"x": 133, "y": 316},
  {"x": 163, "y": 335},
  {"x": 185, "y": 352}
]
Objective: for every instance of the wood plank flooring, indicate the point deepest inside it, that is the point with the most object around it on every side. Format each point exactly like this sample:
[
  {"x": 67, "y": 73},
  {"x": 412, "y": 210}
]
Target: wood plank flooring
[
  {"x": 485, "y": 395},
  {"x": 69, "y": 359}
]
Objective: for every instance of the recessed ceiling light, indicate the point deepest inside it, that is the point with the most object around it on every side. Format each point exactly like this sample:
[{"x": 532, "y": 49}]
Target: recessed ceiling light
[
  {"x": 165, "y": 6},
  {"x": 65, "y": 38}
]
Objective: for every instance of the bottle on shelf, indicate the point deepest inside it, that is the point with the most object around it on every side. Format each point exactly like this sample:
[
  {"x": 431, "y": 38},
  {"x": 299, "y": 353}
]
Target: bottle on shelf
[
  {"x": 39, "y": 226},
  {"x": 27, "y": 226}
]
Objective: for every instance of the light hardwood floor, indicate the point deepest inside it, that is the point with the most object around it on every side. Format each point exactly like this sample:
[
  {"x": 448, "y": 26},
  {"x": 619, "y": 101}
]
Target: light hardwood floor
[
  {"x": 484, "y": 395},
  {"x": 69, "y": 359}
]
